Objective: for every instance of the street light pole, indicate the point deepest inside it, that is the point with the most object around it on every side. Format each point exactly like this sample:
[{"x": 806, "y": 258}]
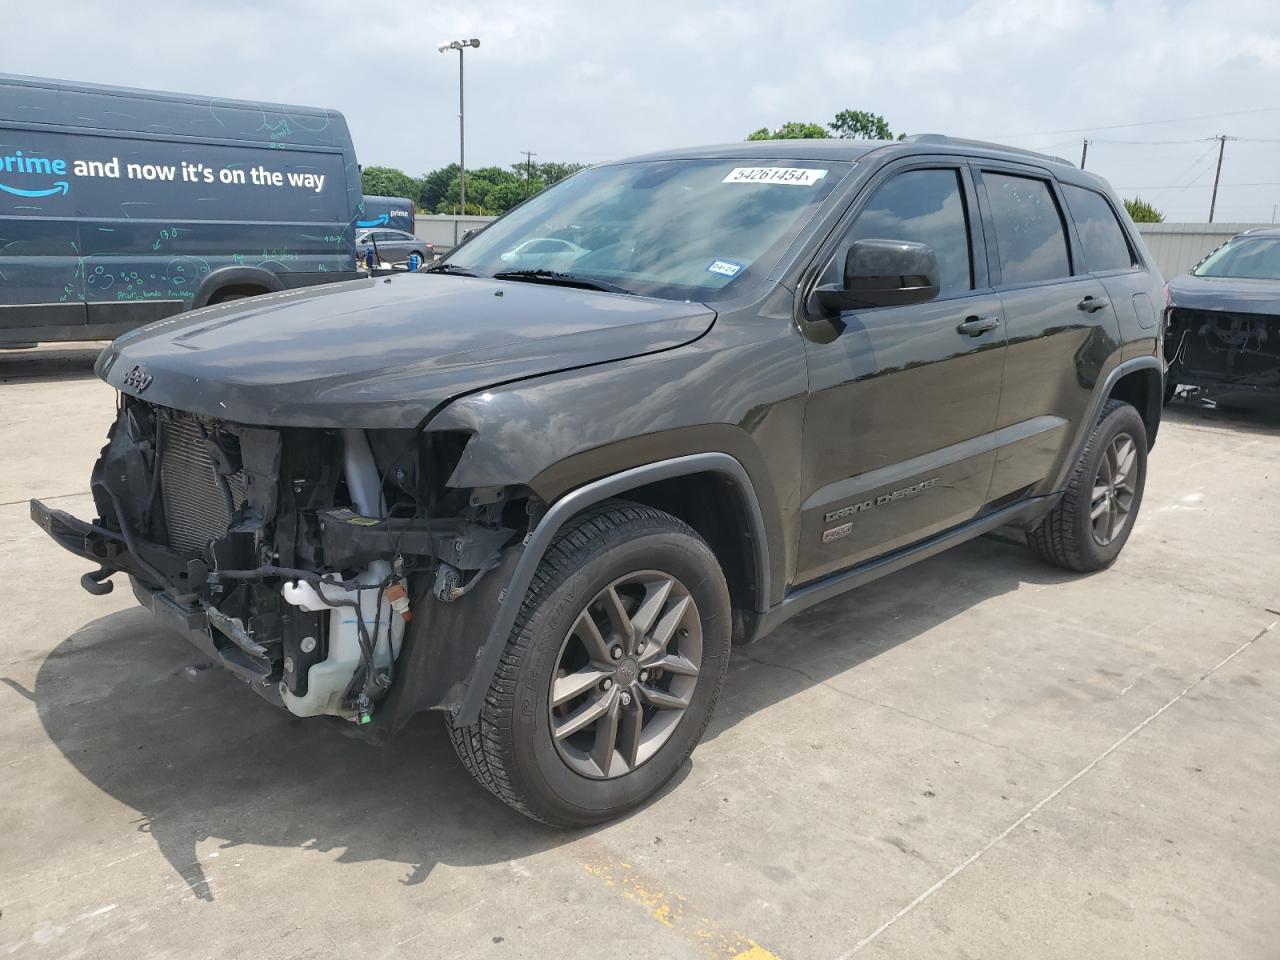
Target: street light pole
[{"x": 460, "y": 46}]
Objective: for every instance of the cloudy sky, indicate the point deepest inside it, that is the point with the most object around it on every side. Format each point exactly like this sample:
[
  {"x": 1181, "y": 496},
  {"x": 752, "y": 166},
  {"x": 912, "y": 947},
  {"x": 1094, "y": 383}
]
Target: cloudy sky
[{"x": 588, "y": 81}]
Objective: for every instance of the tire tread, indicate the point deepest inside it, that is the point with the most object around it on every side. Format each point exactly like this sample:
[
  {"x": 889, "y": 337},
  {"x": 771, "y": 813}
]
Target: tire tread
[
  {"x": 484, "y": 749},
  {"x": 1055, "y": 539}
]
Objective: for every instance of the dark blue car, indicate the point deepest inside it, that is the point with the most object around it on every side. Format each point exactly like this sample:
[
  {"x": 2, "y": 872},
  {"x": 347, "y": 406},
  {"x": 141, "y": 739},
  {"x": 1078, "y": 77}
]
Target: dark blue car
[{"x": 1222, "y": 332}]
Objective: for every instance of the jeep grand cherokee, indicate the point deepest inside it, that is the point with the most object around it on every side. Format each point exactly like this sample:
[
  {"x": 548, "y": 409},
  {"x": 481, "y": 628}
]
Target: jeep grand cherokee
[{"x": 546, "y": 499}]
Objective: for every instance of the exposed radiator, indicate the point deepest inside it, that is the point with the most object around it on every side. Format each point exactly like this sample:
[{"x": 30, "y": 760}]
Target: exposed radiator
[{"x": 195, "y": 504}]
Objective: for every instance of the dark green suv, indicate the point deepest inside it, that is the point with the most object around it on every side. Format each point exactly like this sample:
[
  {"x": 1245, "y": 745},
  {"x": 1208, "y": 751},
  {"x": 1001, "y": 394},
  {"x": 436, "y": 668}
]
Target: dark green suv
[{"x": 546, "y": 500}]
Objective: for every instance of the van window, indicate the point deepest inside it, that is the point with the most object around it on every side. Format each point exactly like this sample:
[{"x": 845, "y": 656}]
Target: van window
[
  {"x": 923, "y": 206},
  {"x": 1101, "y": 236},
  {"x": 1030, "y": 239}
]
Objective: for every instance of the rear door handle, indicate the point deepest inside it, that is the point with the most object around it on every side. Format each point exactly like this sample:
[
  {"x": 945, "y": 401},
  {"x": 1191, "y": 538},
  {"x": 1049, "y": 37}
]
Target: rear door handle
[
  {"x": 977, "y": 326},
  {"x": 1093, "y": 304}
]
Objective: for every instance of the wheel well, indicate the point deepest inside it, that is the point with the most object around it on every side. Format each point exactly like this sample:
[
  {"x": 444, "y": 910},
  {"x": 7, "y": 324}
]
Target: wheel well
[
  {"x": 236, "y": 290},
  {"x": 1144, "y": 390},
  {"x": 715, "y": 507}
]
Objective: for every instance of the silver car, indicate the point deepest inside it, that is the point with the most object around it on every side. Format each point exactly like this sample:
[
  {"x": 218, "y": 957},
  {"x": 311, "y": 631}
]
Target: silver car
[{"x": 393, "y": 246}]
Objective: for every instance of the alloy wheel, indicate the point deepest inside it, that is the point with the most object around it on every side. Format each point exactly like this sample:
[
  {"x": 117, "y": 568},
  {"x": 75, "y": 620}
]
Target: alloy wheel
[
  {"x": 625, "y": 674},
  {"x": 1113, "y": 489}
]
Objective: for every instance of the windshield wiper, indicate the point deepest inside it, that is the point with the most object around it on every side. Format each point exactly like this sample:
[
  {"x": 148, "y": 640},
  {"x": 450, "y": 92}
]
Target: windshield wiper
[
  {"x": 561, "y": 279},
  {"x": 441, "y": 267}
]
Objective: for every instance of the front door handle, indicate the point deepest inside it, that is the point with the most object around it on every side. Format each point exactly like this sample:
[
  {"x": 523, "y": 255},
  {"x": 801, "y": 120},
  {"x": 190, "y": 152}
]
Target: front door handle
[
  {"x": 1093, "y": 304},
  {"x": 977, "y": 326}
]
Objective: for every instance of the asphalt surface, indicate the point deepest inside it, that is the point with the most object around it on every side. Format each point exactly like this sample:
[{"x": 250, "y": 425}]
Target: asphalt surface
[{"x": 977, "y": 757}]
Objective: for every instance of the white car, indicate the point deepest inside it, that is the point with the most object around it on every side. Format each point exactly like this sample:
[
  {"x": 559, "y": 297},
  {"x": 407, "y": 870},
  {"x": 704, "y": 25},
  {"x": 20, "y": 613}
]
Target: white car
[{"x": 543, "y": 253}]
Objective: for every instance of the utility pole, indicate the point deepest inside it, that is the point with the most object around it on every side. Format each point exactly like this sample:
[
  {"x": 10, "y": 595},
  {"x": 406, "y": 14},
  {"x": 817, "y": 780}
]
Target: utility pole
[
  {"x": 528, "y": 170},
  {"x": 1084, "y": 152},
  {"x": 460, "y": 46},
  {"x": 1222, "y": 139}
]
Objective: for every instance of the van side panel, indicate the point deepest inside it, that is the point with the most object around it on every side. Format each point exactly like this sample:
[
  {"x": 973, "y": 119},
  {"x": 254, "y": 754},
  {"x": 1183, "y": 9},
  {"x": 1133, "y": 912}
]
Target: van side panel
[
  {"x": 102, "y": 230},
  {"x": 394, "y": 213}
]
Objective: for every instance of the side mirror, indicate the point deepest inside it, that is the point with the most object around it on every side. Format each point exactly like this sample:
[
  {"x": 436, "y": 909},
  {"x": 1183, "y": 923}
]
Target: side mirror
[{"x": 883, "y": 273}]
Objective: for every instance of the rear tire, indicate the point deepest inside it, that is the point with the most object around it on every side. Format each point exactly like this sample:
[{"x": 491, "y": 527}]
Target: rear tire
[
  {"x": 627, "y": 620},
  {"x": 1090, "y": 525}
]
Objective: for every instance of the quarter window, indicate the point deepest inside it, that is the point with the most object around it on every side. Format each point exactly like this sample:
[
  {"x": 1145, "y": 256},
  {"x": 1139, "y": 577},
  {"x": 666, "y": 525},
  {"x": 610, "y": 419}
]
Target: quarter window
[
  {"x": 1101, "y": 236},
  {"x": 923, "y": 206},
  {"x": 1029, "y": 236}
]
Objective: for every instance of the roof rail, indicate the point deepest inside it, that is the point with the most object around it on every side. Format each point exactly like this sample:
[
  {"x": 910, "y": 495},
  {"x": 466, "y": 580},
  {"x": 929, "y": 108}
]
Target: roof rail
[{"x": 942, "y": 138}]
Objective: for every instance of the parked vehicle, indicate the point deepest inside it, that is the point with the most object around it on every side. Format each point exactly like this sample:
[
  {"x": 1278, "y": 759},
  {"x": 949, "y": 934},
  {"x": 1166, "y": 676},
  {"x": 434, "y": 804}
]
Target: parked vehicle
[
  {"x": 398, "y": 213},
  {"x": 121, "y": 207},
  {"x": 543, "y": 253},
  {"x": 778, "y": 370},
  {"x": 1222, "y": 333},
  {"x": 394, "y": 246}
]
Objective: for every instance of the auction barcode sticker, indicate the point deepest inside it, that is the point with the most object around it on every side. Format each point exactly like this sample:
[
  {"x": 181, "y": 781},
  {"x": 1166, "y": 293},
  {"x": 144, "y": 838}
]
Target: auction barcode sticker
[{"x": 791, "y": 176}]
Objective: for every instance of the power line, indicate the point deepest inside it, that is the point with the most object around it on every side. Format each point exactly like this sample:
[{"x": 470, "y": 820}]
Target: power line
[
  {"x": 1141, "y": 123},
  {"x": 1176, "y": 186}
]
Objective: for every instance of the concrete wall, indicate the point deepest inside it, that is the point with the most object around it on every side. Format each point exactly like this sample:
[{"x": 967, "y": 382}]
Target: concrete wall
[
  {"x": 1177, "y": 247},
  {"x": 443, "y": 230}
]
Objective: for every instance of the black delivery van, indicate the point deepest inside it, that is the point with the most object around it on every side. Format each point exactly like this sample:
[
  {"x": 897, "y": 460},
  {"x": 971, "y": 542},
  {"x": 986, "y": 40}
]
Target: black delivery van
[
  {"x": 394, "y": 213},
  {"x": 119, "y": 207}
]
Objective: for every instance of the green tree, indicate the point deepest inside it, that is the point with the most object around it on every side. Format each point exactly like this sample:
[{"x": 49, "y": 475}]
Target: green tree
[
  {"x": 434, "y": 186},
  {"x": 792, "y": 130},
  {"x": 862, "y": 125},
  {"x": 507, "y": 194},
  {"x": 1142, "y": 212},
  {"x": 552, "y": 171},
  {"x": 388, "y": 182}
]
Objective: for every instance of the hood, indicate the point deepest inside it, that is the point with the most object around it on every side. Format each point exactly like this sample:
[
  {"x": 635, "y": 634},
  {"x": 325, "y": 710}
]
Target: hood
[
  {"x": 1232, "y": 294},
  {"x": 385, "y": 351}
]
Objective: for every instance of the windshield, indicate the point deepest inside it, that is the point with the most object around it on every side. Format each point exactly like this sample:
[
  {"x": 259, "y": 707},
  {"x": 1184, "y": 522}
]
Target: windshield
[
  {"x": 678, "y": 229},
  {"x": 1253, "y": 258}
]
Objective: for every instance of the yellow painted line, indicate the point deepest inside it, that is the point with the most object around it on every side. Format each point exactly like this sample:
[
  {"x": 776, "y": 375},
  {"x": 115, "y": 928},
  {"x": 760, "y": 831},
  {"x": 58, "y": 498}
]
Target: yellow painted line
[{"x": 672, "y": 911}]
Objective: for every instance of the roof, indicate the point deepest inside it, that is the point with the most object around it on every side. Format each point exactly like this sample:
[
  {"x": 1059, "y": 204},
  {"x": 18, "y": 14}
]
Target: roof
[
  {"x": 769, "y": 150},
  {"x": 39, "y": 100},
  {"x": 847, "y": 150}
]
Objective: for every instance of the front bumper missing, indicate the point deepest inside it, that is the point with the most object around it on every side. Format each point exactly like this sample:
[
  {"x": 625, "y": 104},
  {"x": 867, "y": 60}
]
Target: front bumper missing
[{"x": 192, "y": 619}]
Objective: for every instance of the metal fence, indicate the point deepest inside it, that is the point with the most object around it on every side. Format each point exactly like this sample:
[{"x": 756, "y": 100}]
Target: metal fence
[
  {"x": 443, "y": 231},
  {"x": 1177, "y": 247}
]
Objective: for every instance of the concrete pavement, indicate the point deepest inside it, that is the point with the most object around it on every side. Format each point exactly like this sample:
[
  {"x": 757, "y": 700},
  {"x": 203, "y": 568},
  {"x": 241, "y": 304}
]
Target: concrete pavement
[{"x": 977, "y": 757}]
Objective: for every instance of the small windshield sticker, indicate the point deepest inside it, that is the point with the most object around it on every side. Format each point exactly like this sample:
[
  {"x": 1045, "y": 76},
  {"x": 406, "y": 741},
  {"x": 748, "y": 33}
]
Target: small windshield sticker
[
  {"x": 726, "y": 268},
  {"x": 789, "y": 176}
]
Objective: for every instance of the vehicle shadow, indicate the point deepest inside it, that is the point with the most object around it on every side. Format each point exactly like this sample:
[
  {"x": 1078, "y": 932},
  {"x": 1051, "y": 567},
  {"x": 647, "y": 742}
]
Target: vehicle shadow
[
  {"x": 1255, "y": 413},
  {"x": 204, "y": 759},
  {"x": 45, "y": 364}
]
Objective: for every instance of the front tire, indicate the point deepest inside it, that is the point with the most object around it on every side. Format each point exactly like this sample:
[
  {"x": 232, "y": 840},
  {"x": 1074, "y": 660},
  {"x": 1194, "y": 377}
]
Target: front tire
[
  {"x": 1089, "y": 526},
  {"x": 611, "y": 671}
]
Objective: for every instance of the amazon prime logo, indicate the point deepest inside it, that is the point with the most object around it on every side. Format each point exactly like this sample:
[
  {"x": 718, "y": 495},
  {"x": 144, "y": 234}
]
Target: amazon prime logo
[{"x": 137, "y": 379}]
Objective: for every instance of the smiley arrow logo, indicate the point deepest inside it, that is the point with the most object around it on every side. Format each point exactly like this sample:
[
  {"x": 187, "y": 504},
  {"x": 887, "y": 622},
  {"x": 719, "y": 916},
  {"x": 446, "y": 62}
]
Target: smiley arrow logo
[{"x": 59, "y": 186}]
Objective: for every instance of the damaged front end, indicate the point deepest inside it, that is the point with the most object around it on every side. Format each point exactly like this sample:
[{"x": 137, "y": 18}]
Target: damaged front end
[
  {"x": 312, "y": 563},
  {"x": 1223, "y": 351}
]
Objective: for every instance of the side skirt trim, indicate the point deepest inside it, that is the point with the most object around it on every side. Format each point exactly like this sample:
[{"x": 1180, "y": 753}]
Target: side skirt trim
[{"x": 802, "y": 598}]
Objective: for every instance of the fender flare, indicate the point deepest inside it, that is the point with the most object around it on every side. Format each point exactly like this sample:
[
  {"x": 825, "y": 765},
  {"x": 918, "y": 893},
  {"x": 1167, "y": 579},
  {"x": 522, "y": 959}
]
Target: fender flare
[
  {"x": 215, "y": 280},
  {"x": 569, "y": 506},
  {"x": 1100, "y": 396}
]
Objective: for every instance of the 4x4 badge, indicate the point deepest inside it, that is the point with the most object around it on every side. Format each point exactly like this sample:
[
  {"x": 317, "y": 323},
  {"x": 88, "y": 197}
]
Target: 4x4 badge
[{"x": 137, "y": 379}]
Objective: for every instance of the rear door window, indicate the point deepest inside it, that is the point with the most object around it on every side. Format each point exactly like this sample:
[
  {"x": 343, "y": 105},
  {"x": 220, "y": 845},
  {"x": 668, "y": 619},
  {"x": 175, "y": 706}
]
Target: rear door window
[
  {"x": 1101, "y": 236},
  {"x": 1030, "y": 238}
]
